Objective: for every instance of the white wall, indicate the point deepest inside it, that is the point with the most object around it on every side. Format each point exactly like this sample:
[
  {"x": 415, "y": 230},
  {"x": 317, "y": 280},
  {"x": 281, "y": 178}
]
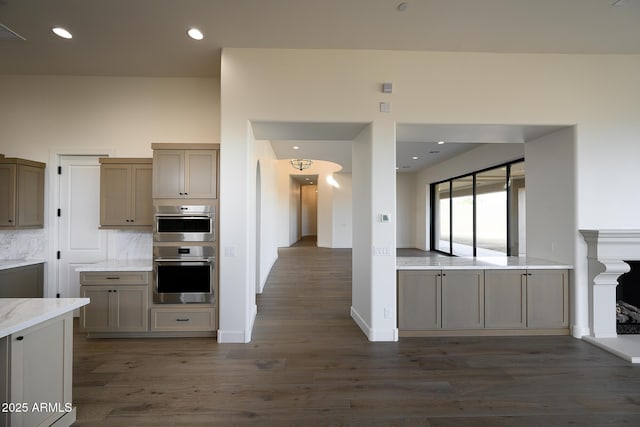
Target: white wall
[
  {"x": 598, "y": 94},
  {"x": 550, "y": 187},
  {"x": 41, "y": 116},
  {"x": 268, "y": 212},
  {"x": 405, "y": 210},
  {"x": 342, "y": 211}
]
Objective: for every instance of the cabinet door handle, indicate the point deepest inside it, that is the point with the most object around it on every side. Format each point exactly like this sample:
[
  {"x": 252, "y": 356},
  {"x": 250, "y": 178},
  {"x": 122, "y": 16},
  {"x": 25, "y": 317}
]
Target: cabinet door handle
[
  {"x": 113, "y": 277},
  {"x": 182, "y": 319},
  {"x": 10, "y": 220},
  {"x": 444, "y": 274},
  {"x": 20, "y": 338}
]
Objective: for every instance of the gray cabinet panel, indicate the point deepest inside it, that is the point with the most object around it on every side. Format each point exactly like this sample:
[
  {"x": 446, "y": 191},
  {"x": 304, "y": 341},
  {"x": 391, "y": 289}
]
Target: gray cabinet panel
[
  {"x": 22, "y": 282},
  {"x": 463, "y": 299},
  {"x": 419, "y": 296},
  {"x": 505, "y": 295},
  {"x": 547, "y": 299}
]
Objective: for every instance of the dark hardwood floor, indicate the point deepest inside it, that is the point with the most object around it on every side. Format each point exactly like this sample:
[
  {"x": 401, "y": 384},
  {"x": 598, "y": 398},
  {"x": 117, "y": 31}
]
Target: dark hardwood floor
[{"x": 308, "y": 364}]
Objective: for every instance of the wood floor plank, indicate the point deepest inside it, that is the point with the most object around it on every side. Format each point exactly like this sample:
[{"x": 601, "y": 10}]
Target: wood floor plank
[{"x": 308, "y": 364}]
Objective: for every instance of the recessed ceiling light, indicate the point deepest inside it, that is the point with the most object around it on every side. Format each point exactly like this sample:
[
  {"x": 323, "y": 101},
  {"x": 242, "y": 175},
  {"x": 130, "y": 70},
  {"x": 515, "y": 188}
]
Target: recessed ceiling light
[
  {"x": 415, "y": 157},
  {"x": 440, "y": 142},
  {"x": 195, "y": 34},
  {"x": 306, "y": 179},
  {"x": 295, "y": 147},
  {"x": 61, "y": 32},
  {"x": 402, "y": 6}
]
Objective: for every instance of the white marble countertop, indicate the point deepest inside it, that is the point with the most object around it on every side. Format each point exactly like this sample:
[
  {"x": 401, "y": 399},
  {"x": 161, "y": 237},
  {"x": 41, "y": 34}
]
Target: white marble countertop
[
  {"x": 6, "y": 264},
  {"x": 478, "y": 263},
  {"x": 17, "y": 314},
  {"x": 118, "y": 265}
]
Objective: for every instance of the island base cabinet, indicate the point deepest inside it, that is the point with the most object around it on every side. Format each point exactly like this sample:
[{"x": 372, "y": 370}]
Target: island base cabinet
[
  {"x": 36, "y": 371},
  {"x": 419, "y": 295},
  {"x": 547, "y": 299},
  {"x": 463, "y": 299},
  {"x": 505, "y": 296}
]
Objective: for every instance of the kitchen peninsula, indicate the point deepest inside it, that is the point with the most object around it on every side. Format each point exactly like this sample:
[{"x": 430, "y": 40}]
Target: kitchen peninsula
[
  {"x": 36, "y": 358},
  {"x": 454, "y": 296}
]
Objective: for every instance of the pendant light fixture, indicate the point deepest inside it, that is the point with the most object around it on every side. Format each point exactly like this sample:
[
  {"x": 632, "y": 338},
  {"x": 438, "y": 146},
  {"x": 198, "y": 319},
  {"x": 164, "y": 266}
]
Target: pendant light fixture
[{"x": 300, "y": 164}]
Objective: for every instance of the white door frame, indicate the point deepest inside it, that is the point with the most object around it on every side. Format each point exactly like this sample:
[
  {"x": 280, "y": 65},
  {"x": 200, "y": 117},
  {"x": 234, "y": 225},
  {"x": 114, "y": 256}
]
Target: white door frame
[{"x": 51, "y": 205}]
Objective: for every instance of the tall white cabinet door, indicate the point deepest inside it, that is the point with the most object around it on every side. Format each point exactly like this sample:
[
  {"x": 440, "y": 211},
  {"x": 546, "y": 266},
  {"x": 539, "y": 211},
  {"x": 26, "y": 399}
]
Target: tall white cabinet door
[
  {"x": 80, "y": 239},
  {"x": 547, "y": 299},
  {"x": 463, "y": 299},
  {"x": 505, "y": 296},
  {"x": 419, "y": 295}
]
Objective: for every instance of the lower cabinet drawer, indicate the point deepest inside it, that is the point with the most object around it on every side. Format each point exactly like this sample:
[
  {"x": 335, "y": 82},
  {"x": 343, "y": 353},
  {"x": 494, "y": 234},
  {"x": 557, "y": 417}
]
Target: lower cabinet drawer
[
  {"x": 114, "y": 278},
  {"x": 183, "y": 319}
]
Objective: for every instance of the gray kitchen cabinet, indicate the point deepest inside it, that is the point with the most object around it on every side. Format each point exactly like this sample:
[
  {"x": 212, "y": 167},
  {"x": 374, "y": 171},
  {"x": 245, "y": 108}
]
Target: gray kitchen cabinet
[
  {"x": 125, "y": 193},
  {"x": 119, "y": 302},
  {"x": 505, "y": 296},
  {"x": 183, "y": 318},
  {"x": 419, "y": 300},
  {"x": 185, "y": 171},
  {"x": 506, "y": 300},
  {"x": 37, "y": 366},
  {"x": 462, "y": 299},
  {"x": 547, "y": 299},
  {"x": 22, "y": 282},
  {"x": 21, "y": 193}
]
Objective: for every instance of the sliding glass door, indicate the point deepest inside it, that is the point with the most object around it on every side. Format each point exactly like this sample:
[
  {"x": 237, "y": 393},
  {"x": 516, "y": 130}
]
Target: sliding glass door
[{"x": 480, "y": 214}]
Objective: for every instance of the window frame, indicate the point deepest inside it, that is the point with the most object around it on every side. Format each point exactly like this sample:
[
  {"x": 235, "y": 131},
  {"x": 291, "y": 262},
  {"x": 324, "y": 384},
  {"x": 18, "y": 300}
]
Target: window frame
[{"x": 433, "y": 220}]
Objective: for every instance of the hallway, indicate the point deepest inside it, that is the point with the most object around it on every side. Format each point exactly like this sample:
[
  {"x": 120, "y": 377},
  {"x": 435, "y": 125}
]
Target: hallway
[{"x": 309, "y": 364}]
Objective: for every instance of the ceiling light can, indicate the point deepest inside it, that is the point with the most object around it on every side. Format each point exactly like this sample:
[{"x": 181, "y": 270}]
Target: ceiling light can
[
  {"x": 195, "y": 34},
  {"x": 62, "y": 32}
]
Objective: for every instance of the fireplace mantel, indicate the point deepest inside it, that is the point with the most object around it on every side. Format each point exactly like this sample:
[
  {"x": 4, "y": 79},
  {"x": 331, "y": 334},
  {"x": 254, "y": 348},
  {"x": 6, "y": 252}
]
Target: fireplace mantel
[{"x": 606, "y": 255}]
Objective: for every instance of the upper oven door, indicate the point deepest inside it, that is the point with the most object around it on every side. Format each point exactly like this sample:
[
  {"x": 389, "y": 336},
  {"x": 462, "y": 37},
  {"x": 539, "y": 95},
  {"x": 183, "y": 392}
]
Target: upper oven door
[{"x": 183, "y": 224}]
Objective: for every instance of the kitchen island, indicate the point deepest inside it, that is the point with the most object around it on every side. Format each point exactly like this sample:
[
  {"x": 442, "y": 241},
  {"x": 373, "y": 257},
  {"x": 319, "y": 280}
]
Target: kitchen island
[
  {"x": 36, "y": 360},
  {"x": 22, "y": 278},
  {"x": 453, "y": 296}
]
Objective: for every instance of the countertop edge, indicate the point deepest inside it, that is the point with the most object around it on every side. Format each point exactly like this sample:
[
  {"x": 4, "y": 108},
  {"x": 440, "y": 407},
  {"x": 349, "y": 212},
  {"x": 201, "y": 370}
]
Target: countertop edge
[
  {"x": 484, "y": 267},
  {"x": 7, "y": 264},
  {"x": 44, "y": 308},
  {"x": 109, "y": 266}
]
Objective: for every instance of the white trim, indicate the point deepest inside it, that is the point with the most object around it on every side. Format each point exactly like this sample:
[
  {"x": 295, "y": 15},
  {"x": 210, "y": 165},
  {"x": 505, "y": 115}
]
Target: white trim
[
  {"x": 263, "y": 280},
  {"x": 231, "y": 337},
  {"x": 238, "y": 337},
  {"x": 374, "y": 335},
  {"x": 580, "y": 331}
]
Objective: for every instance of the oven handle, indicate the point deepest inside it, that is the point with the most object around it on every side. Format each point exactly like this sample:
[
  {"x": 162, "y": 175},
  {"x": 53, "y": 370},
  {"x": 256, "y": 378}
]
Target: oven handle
[{"x": 206, "y": 260}]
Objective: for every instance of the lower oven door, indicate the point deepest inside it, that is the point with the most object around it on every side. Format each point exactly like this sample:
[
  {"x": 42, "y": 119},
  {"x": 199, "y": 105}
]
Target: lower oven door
[{"x": 183, "y": 282}]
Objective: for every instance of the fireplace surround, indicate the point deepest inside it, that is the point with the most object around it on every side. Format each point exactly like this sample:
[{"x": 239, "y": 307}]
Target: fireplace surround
[{"x": 607, "y": 251}]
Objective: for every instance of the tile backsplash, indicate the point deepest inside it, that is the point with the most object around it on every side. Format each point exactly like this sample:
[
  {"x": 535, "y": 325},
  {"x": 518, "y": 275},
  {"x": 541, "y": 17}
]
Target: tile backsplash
[
  {"x": 123, "y": 245},
  {"x": 24, "y": 244},
  {"x": 34, "y": 244}
]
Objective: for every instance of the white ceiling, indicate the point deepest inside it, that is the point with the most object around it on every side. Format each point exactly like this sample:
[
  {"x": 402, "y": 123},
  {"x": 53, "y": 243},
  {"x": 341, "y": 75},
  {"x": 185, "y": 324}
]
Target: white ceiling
[{"x": 148, "y": 37}]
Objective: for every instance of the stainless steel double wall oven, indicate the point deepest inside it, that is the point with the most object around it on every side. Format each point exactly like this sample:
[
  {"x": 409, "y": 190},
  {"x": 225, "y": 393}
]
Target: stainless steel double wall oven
[{"x": 184, "y": 258}]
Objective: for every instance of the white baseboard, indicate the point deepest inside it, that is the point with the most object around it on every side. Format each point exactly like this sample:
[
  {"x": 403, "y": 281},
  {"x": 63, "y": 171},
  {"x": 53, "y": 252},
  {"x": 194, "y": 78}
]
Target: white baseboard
[
  {"x": 580, "y": 331},
  {"x": 238, "y": 337},
  {"x": 374, "y": 335}
]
